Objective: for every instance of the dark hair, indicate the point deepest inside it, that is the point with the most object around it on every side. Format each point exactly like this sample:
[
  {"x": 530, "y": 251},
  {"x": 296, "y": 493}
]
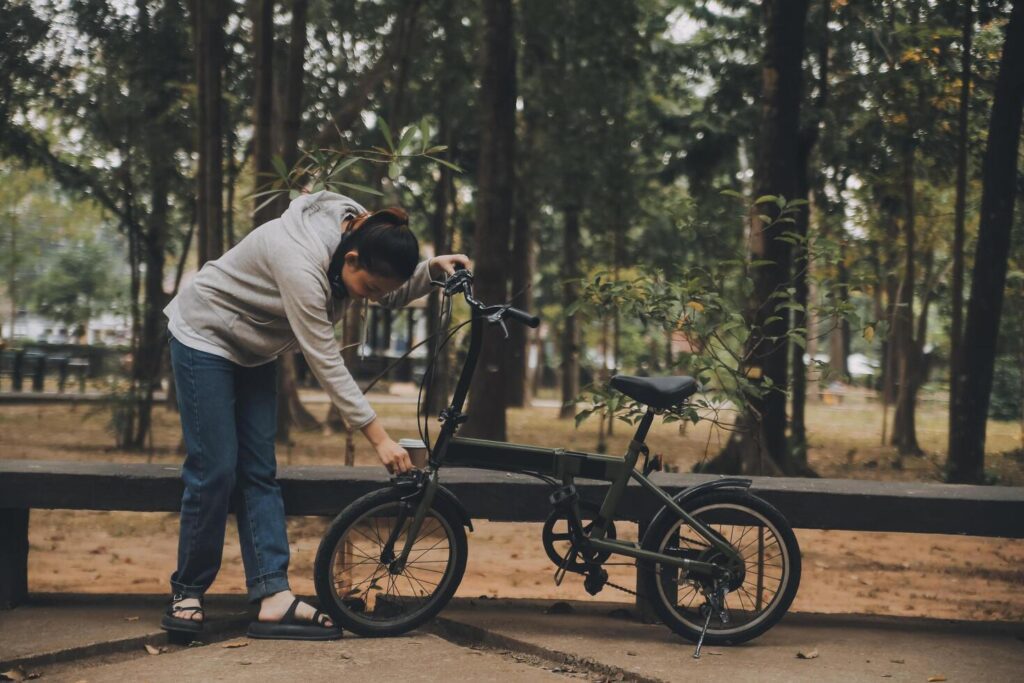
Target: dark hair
[{"x": 385, "y": 244}]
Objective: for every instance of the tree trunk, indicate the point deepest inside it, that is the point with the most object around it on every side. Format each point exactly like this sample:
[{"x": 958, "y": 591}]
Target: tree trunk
[
  {"x": 496, "y": 179},
  {"x": 439, "y": 380},
  {"x": 290, "y": 411},
  {"x": 776, "y": 172},
  {"x": 759, "y": 441},
  {"x": 263, "y": 77},
  {"x": 956, "y": 405},
  {"x": 570, "y": 329},
  {"x": 999, "y": 191},
  {"x": 801, "y": 262},
  {"x": 904, "y": 432},
  {"x": 209, "y": 19},
  {"x": 525, "y": 214}
]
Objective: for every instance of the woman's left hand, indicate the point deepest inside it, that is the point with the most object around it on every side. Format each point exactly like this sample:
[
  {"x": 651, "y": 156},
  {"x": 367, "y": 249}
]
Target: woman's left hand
[{"x": 444, "y": 265}]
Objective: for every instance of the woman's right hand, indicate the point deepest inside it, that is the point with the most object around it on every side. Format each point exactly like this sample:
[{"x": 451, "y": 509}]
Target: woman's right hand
[{"x": 394, "y": 457}]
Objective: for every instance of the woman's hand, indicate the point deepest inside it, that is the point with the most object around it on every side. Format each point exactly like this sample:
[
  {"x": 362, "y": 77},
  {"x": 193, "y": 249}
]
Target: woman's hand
[
  {"x": 395, "y": 458},
  {"x": 444, "y": 265}
]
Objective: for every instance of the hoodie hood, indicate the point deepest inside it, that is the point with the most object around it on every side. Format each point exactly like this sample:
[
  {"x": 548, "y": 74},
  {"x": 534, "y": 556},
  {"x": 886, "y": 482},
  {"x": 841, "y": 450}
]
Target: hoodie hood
[{"x": 314, "y": 221}]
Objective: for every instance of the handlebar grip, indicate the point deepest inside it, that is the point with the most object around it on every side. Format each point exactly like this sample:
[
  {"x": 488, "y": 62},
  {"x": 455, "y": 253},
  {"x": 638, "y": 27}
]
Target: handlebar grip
[{"x": 523, "y": 317}]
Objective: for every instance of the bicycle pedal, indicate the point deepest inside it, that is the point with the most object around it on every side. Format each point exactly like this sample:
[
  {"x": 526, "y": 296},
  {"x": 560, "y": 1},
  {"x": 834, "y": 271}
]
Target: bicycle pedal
[{"x": 595, "y": 581}]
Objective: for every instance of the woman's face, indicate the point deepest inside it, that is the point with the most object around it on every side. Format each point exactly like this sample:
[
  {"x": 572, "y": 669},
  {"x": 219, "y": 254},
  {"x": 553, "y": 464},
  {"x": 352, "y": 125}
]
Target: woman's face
[{"x": 362, "y": 284}]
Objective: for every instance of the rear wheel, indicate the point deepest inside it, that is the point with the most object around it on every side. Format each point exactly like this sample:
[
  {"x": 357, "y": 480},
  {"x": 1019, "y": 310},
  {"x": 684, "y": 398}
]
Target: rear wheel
[
  {"x": 761, "y": 589},
  {"x": 358, "y": 585}
]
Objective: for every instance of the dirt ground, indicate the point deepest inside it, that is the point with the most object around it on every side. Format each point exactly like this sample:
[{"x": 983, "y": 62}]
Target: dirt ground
[{"x": 872, "y": 573}]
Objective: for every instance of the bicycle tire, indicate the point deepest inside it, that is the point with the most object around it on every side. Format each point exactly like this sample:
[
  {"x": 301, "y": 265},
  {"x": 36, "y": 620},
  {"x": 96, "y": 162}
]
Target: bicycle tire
[
  {"x": 356, "y": 620},
  {"x": 682, "y": 621}
]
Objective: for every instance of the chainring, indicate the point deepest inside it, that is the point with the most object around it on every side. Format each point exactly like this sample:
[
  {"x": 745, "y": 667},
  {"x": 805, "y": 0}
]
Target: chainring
[{"x": 579, "y": 564}]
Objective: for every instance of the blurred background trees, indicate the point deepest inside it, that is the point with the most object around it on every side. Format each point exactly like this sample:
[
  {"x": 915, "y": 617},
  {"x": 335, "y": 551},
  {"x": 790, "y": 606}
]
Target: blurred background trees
[{"x": 594, "y": 138}]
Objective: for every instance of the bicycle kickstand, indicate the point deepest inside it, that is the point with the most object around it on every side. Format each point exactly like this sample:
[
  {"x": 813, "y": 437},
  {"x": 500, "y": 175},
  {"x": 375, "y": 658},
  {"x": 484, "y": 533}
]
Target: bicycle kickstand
[
  {"x": 715, "y": 603},
  {"x": 704, "y": 630}
]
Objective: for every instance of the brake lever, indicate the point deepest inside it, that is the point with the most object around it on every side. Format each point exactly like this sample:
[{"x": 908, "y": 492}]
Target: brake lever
[{"x": 499, "y": 317}]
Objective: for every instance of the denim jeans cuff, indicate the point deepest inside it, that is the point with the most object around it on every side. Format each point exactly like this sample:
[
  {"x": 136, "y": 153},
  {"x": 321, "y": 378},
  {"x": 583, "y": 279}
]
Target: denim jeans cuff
[
  {"x": 187, "y": 591},
  {"x": 268, "y": 584}
]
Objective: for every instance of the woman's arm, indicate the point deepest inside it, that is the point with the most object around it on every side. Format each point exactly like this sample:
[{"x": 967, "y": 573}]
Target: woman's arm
[{"x": 419, "y": 284}]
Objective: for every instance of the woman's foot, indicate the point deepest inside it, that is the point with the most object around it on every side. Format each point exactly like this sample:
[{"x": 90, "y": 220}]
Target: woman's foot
[
  {"x": 184, "y": 615},
  {"x": 274, "y": 607},
  {"x": 187, "y": 608},
  {"x": 283, "y": 615}
]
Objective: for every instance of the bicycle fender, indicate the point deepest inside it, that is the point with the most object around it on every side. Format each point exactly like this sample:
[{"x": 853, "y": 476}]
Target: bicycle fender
[
  {"x": 693, "y": 491},
  {"x": 413, "y": 484},
  {"x": 457, "y": 504}
]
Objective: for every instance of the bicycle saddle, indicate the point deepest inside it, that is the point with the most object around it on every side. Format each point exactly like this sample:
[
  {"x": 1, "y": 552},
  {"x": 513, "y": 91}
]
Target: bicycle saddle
[{"x": 656, "y": 392}]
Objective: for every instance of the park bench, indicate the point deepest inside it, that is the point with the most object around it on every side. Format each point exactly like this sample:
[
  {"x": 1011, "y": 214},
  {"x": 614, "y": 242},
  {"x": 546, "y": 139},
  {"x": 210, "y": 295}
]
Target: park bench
[{"x": 838, "y": 504}]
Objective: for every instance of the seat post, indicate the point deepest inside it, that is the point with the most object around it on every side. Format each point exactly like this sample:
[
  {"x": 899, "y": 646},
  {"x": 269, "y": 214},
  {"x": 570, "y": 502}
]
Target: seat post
[
  {"x": 618, "y": 487},
  {"x": 645, "y": 425}
]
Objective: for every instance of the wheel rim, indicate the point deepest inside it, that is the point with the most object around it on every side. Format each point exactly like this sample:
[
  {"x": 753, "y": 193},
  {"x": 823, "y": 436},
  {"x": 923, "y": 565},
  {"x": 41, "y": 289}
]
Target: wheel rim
[
  {"x": 766, "y": 561},
  {"x": 366, "y": 591}
]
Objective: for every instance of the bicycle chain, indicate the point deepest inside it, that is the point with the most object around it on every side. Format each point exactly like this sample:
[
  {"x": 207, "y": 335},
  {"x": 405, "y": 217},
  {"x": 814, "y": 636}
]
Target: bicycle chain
[{"x": 621, "y": 588}]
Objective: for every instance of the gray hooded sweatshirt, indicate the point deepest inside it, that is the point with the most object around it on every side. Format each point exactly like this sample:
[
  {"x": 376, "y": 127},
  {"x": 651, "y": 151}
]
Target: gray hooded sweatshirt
[{"x": 269, "y": 294}]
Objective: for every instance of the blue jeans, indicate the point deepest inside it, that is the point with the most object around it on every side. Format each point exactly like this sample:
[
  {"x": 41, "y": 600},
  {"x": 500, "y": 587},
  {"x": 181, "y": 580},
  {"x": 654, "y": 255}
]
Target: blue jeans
[{"x": 229, "y": 418}]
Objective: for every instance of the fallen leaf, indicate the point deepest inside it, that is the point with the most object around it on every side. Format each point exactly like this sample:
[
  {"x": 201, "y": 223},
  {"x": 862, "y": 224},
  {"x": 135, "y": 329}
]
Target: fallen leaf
[
  {"x": 936, "y": 678},
  {"x": 131, "y": 618},
  {"x": 14, "y": 674},
  {"x": 244, "y": 663},
  {"x": 630, "y": 653},
  {"x": 813, "y": 654},
  {"x": 898, "y": 661},
  {"x": 155, "y": 650},
  {"x": 820, "y": 565},
  {"x": 241, "y": 643},
  {"x": 713, "y": 653}
]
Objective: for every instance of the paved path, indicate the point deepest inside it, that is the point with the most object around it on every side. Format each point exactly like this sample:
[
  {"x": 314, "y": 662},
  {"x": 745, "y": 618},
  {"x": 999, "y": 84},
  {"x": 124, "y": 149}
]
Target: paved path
[{"x": 104, "y": 638}]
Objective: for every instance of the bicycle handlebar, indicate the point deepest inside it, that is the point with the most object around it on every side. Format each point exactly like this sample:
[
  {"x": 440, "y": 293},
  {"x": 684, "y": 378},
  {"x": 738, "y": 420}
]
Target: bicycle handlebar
[
  {"x": 461, "y": 281},
  {"x": 522, "y": 316}
]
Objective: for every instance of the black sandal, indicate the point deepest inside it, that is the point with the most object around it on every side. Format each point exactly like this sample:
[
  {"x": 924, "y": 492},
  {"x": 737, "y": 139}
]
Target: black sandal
[
  {"x": 290, "y": 628},
  {"x": 188, "y": 624}
]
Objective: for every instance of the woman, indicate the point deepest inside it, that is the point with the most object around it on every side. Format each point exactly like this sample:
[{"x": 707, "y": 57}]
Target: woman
[{"x": 284, "y": 286}]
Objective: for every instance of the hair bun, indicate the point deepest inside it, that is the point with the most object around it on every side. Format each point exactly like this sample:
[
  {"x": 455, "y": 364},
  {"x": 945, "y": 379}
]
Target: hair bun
[{"x": 394, "y": 215}]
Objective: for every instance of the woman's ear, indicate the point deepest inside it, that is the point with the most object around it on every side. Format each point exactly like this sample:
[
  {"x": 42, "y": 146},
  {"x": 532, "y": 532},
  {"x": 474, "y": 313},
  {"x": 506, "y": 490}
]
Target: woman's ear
[{"x": 352, "y": 259}]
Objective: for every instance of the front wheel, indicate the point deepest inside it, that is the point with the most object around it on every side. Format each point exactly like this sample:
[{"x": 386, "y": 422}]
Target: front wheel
[
  {"x": 760, "y": 591},
  {"x": 364, "y": 594}
]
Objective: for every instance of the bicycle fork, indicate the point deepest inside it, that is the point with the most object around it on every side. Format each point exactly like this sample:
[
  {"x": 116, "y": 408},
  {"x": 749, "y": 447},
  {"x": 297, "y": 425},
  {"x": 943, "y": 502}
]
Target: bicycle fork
[{"x": 418, "y": 510}]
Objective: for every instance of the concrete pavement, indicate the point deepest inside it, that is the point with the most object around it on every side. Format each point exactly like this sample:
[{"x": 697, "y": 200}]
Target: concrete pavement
[{"x": 104, "y": 638}]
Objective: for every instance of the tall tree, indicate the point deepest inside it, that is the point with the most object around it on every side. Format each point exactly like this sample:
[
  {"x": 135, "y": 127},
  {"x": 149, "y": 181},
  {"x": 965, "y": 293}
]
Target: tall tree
[
  {"x": 956, "y": 405},
  {"x": 988, "y": 279},
  {"x": 208, "y": 22},
  {"x": 759, "y": 444},
  {"x": 290, "y": 411},
  {"x": 495, "y": 183}
]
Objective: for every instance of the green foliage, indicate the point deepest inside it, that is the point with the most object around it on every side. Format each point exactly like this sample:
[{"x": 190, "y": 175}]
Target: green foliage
[
  {"x": 322, "y": 169},
  {"x": 705, "y": 308},
  {"x": 80, "y": 280},
  {"x": 1006, "y": 401}
]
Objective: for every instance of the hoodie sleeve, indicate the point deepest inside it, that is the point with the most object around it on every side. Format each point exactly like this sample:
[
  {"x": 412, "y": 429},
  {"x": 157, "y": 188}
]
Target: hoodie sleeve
[
  {"x": 418, "y": 285},
  {"x": 304, "y": 294}
]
